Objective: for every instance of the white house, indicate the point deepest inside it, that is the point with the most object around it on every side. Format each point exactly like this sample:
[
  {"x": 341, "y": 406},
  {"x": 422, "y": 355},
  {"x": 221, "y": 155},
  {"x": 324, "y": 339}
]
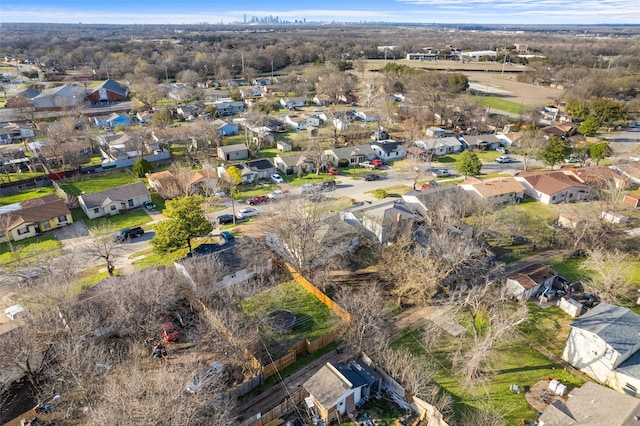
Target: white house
[
  {"x": 389, "y": 150},
  {"x": 337, "y": 389},
  {"x": 115, "y": 200},
  {"x": 525, "y": 284},
  {"x": 233, "y": 152},
  {"x": 605, "y": 344},
  {"x": 553, "y": 187},
  {"x": 294, "y": 163},
  {"x": 440, "y": 146},
  {"x": 436, "y": 132},
  {"x": 11, "y": 132},
  {"x": 301, "y": 121},
  {"x": 294, "y": 102},
  {"x": 498, "y": 191},
  {"x": 381, "y": 220},
  {"x": 367, "y": 116}
]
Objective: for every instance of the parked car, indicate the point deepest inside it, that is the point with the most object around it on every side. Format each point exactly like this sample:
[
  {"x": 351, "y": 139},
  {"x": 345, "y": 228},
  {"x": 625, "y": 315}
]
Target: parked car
[
  {"x": 149, "y": 206},
  {"x": 571, "y": 160},
  {"x": 328, "y": 185},
  {"x": 278, "y": 193},
  {"x": 26, "y": 276},
  {"x": 503, "y": 159},
  {"x": 276, "y": 178},
  {"x": 440, "y": 173},
  {"x": 502, "y": 150},
  {"x": 204, "y": 377},
  {"x": 226, "y": 237},
  {"x": 258, "y": 199},
  {"x": 225, "y": 219},
  {"x": 247, "y": 212},
  {"x": 371, "y": 176},
  {"x": 368, "y": 164},
  {"x": 377, "y": 162},
  {"x": 307, "y": 187},
  {"x": 126, "y": 234},
  {"x": 169, "y": 331},
  {"x": 333, "y": 172}
]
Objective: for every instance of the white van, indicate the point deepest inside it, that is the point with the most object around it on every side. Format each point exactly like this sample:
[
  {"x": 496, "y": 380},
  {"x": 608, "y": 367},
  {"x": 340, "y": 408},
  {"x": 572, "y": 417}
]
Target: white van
[{"x": 13, "y": 311}]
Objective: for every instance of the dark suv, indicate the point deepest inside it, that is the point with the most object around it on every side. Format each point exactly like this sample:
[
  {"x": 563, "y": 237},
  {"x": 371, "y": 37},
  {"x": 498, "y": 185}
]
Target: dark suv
[{"x": 127, "y": 234}]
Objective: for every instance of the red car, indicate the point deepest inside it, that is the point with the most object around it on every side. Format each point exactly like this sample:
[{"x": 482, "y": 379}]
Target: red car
[
  {"x": 258, "y": 199},
  {"x": 333, "y": 172},
  {"x": 377, "y": 162},
  {"x": 169, "y": 331}
]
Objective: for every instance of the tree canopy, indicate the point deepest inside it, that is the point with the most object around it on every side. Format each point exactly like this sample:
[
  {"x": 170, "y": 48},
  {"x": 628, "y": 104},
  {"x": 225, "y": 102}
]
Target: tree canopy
[
  {"x": 185, "y": 220},
  {"x": 555, "y": 151},
  {"x": 141, "y": 168},
  {"x": 469, "y": 164}
]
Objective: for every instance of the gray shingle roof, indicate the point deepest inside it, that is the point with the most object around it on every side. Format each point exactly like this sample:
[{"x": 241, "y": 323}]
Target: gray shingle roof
[
  {"x": 113, "y": 86},
  {"x": 121, "y": 193},
  {"x": 618, "y": 327}
]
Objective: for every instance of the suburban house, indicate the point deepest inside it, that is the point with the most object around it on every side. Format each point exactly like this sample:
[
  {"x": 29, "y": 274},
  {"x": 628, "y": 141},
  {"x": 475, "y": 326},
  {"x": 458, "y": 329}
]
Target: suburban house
[
  {"x": 322, "y": 99},
  {"x": 115, "y": 200},
  {"x": 294, "y": 164},
  {"x": 234, "y": 152},
  {"x": 120, "y": 146},
  {"x": 499, "y": 191},
  {"x": 422, "y": 202},
  {"x": 381, "y": 220},
  {"x": 553, "y": 187},
  {"x": 169, "y": 182},
  {"x": 339, "y": 119},
  {"x": 144, "y": 117},
  {"x": 188, "y": 112},
  {"x": 59, "y": 98},
  {"x": 353, "y": 154},
  {"x": 440, "y": 146},
  {"x": 174, "y": 135},
  {"x": 605, "y": 344},
  {"x": 224, "y": 265},
  {"x": 251, "y": 92},
  {"x": 22, "y": 99},
  {"x": 592, "y": 405},
  {"x": 527, "y": 283},
  {"x": 224, "y": 129},
  {"x": 482, "y": 142},
  {"x": 109, "y": 91},
  {"x": 225, "y": 108},
  {"x": 29, "y": 218},
  {"x": 510, "y": 138},
  {"x": 436, "y": 132},
  {"x": 388, "y": 150},
  {"x": 599, "y": 177},
  {"x": 336, "y": 390},
  {"x": 261, "y": 169},
  {"x": 112, "y": 120},
  {"x": 561, "y": 130},
  {"x": 367, "y": 116},
  {"x": 69, "y": 152},
  {"x": 12, "y": 132},
  {"x": 301, "y": 121},
  {"x": 261, "y": 82},
  {"x": 291, "y": 103}
]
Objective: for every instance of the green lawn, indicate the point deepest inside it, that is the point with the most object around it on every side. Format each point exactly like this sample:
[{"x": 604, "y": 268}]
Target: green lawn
[
  {"x": 19, "y": 176},
  {"x": 314, "y": 319},
  {"x": 98, "y": 183},
  {"x": 569, "y": 268},
  {"x": 548, "y": 327},
  {"x": 26, "y": 195},
  {"x": 129, "y": 219},
  {"x": 31, "y": 249},
  {"x": 88, "y": 278},
  {"x": 499, "y": 104},
  {"x": 270, "y": 153},
  {"x": 310, "y": 178},
  {"x": 512, "y": 363},
  {"x": 247, "y": 191}
]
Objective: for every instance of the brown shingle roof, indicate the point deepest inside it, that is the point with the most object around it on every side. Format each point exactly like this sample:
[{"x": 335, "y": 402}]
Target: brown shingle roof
[
  {"x": 496, "y": 186},
  {"x": 552, "y": 182},
  {"x": 36, "y": 210},
  {"x": 533, "y": 275},
  {"x": 121, "y": 193}
]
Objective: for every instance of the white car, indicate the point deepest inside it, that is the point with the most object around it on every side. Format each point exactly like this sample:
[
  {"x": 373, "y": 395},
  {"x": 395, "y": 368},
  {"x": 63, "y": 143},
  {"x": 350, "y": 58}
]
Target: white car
[
  {"x": 571, "y": 160},
  {"x": 247, "y": 212},
  {"x": 503, "y": 159},
  {"x": 307, "y": 187},
  {"x": 276, "y": 178},
  {"x": 13, "y": 311},
  {"x": 278, "y": 193},
  {"x": 502, "y": 150}
]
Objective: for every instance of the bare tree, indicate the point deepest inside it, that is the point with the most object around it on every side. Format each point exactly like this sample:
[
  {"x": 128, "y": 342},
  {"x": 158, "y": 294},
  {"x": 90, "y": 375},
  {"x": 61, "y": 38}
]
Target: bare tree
[
  {"x": 312, "y": 149},
  {"x": 530, "y": 145},
  {"x": 608, "y": 273},
  {"x": 102, "y": 247},
  {"x": 415, "y": 375},
  {"x": 368, "y": 316}
]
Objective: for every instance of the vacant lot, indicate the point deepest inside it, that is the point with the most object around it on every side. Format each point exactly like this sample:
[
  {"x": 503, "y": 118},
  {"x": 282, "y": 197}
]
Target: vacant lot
[
  {"x": 98, "y": 183},
  {"x": 314, "y": 319},
  {"x": 26, "y": 195}
]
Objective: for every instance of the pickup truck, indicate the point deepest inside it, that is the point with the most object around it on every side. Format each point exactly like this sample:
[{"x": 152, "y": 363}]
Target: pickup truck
[{"x": 368, "y": 164}]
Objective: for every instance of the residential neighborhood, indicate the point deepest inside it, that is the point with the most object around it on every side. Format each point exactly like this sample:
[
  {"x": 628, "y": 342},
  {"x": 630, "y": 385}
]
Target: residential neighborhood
[{"x": 331, "y": 242}]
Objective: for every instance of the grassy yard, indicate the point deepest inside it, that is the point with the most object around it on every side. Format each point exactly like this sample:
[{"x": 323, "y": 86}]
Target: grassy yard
[
  {"x": 310, "y": 178},
  {"x": 19, "y": 176},
  {"x": 88, "y": 278},
  {"x": 314, "y": 319},
  {"x": 31, "y": 249},
  {"x": 396, "y": 191},
  {"x": 152, "y": 259},
  {"x": 247, "y": 191},
  {"x": 26, "y": 195},
  {"x": 512, "y": 363},
  {"x": 499, "y": 104},
  {"x": 271, "y": 152},
  {"x": 548, "y": 327},
  {"x": 98, "y": 183},
  {"x": 128, "y": 219}
]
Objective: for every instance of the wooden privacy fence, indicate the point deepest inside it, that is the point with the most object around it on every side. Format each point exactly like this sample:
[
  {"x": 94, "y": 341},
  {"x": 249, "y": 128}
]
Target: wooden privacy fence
[
  {"x": 339, "y": 310},
  {"x": 280, "y": 410}
]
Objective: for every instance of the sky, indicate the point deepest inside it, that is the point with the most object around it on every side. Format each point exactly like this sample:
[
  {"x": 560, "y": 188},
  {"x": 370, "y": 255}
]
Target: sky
[{"x": 414, "y": 11}]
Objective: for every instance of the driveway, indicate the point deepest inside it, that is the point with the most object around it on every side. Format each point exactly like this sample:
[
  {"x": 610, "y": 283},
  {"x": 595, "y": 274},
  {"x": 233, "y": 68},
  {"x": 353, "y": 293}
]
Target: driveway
[{"x": 72, "y": 234}]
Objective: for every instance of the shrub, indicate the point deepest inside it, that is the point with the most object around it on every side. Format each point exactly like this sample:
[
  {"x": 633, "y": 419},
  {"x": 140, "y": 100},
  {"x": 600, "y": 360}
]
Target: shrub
[
  {"x": 380, "y": 194},
  {"x": 343, "y": 162}
]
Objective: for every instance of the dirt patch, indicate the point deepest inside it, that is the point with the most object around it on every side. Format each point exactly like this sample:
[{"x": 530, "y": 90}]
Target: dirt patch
[
  {"x": 540, "y": 396},
  {"x": 505, "y": 86}
]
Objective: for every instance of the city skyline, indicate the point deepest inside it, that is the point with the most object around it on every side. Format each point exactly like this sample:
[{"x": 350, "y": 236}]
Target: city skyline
[{"x": 515, "y": 12}]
